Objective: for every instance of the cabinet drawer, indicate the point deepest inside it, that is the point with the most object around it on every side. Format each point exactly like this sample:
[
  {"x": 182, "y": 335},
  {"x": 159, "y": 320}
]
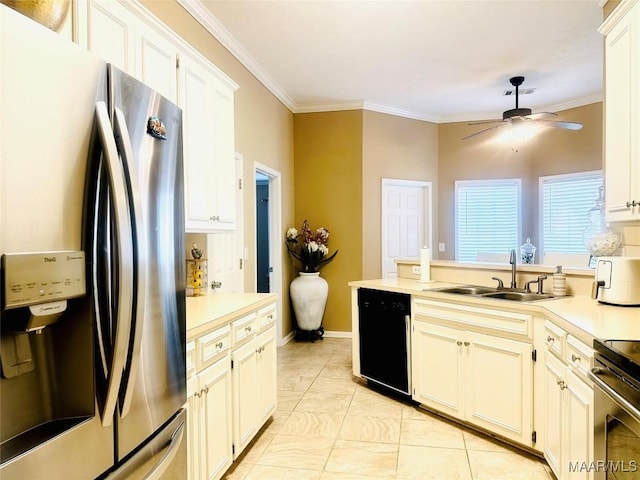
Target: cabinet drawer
[
  {"x": 243, "y": 328},
  {"x": 213, "y": 345},
  {"x": 554, "y": 339},
  {"x": 191, "y": 358},
  {"x": 476, "y": 318},
  {"x": 266, "y": 317},
  {"x": 578, "y": 356}
]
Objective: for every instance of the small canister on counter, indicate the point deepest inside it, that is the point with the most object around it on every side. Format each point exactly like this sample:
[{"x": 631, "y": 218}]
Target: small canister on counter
[{"x": 559, "y": 288}]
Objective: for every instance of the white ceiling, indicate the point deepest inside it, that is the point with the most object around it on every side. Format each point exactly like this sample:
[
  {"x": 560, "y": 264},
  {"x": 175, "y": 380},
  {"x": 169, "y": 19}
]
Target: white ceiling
[{"x": 439, "y": 61}]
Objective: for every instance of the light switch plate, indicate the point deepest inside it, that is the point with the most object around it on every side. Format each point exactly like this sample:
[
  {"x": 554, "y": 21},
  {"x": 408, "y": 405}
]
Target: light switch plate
[
  {"x": 441, "y": 247},
  {"x": 415, "y": 269}
]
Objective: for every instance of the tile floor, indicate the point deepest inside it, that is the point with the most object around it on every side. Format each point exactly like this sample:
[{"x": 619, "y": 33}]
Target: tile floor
[{"x": 330, "y": 427}]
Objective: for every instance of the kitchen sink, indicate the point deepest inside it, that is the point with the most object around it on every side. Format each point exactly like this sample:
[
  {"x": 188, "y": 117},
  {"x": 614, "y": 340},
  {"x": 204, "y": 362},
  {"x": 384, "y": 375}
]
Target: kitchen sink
[
  {"x": 467, "y": 290},
  {"x": 519, "y": 296},
  {"x": 490, "y": 292}
]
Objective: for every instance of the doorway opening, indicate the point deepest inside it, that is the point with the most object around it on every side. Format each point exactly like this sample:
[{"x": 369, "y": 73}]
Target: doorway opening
[
  {"x": 268, "y": 246},
  {"x": 263, "y": 264}
]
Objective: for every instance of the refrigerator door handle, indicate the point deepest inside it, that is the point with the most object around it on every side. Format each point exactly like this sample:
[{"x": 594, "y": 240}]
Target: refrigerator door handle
[
  {"x": 95, "y": 280},
  {"x": 124, "y": 252},
  {"x": 169, "y": 455},
  {"x": 139, "y": 245}
]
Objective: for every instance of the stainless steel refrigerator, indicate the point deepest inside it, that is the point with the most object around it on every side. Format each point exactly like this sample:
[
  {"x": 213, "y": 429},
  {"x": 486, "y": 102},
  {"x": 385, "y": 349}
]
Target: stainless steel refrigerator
[{"x": 92, "y": 330}]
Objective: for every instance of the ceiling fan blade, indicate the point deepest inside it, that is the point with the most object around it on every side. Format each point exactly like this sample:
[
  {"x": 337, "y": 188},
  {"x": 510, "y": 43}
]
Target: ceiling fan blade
[
  {"x": 485, "y": 121},
  {"x": 565, "y": 125},
  {"x": 483, "y": 131},
  {"x": 541, "y": 115}
]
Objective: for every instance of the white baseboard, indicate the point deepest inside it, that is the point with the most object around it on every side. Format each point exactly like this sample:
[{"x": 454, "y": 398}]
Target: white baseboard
[
  {"x": 329, "y": 333},
  {"x": 287, "y": 339}
]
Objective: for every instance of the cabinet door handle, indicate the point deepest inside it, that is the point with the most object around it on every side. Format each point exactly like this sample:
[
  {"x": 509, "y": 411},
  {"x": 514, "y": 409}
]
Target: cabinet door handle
[
  {"x": 459, "y": 343},
  {"x": 575, "y": 358},
  {"x": 466, "y": 344},
  {"x": 247, "y": 328},
  {"x": 219, "y": 345},
  {"x": 632, "y": 203},
  {"x": 550, "y": 339},
  {"x": 562, "y": 385},
  {"x": 197, "y": 394}
]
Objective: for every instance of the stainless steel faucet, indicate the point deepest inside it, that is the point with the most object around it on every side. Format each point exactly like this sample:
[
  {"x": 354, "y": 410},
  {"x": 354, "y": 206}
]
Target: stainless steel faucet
[{"x": 512, "y": 261}]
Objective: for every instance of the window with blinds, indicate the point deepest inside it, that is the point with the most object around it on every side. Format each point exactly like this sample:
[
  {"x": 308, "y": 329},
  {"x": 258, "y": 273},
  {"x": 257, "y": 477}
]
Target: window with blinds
[
  {"x": 487, "y": 218},
  {"x": 564, "y": 203}
]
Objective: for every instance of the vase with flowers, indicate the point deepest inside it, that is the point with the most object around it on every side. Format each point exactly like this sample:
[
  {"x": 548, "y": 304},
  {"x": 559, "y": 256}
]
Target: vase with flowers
[{"x": 309, "y": 291}]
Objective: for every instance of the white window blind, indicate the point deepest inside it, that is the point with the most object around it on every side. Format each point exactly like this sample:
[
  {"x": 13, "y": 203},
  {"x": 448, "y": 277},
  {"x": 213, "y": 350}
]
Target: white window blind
[
  {"x": 564, "y": 203},
  {"x": 487, "y": 217}
]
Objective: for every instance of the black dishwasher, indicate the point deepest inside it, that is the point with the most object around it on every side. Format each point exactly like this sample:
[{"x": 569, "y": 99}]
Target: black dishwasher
[{"x": 384, "y": 322}]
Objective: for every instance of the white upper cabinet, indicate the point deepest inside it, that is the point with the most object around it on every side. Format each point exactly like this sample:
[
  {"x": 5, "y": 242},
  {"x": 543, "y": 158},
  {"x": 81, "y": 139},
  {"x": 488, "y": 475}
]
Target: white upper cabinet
[
  {"x": 107, "y": 29},
  {"x": 206, "y": 98},
  {"x": 622, "y": 112},
  {"x": 157, "y": 61},
  {"x": 116, "y": 32},
  {"x": 129, "y": 37}
]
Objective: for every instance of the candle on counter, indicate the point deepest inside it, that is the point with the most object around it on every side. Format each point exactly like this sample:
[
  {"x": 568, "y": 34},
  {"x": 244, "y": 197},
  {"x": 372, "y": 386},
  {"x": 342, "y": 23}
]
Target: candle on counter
[{"x": 425, "y": 264}]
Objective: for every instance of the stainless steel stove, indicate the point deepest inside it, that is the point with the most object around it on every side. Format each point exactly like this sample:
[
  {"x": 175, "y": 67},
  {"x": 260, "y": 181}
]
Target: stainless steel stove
[{"x": 616, "y": 378}]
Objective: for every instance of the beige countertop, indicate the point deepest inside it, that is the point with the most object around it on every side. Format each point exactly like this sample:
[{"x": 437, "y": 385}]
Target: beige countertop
[
  {"x": 580, "y": 315},
  {"x": 208, "y": 312}
]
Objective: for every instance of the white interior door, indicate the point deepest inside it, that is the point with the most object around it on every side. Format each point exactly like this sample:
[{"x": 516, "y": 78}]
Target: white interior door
[
  {"x": 406, "y": 221},
  {"x": 226, "y": 267}
]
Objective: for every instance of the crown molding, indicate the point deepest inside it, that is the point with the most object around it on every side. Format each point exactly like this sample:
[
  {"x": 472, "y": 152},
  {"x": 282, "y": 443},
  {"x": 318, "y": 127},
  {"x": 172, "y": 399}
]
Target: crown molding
[
  {"x": 578, "y": 102},
  {"x": 614, "y": 17},
  {"x": 220, "y": 33},
  {"x": 398, "y": 112},
  {"x": 360, "y": 105},
  {"x": 328, "y": 107}
]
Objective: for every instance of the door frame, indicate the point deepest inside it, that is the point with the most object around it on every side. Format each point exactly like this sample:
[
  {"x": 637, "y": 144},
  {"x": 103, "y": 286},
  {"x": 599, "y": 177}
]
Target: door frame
[
  {"x": 275, "y": 238},
  {"x": 427, "y": 212}
]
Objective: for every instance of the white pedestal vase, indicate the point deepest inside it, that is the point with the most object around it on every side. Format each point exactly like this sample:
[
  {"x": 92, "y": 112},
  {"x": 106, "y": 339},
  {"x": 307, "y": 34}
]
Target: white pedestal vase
[{"x": 309, "y": 293}]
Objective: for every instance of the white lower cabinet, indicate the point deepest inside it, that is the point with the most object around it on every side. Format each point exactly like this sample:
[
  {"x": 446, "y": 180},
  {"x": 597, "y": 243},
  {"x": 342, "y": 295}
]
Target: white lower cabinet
[
  {"x": 568, "y": 425},
  {"x": 267, "y": 378},
  {"x": 209, "y": 425},
  {"x": 482, "y": 379},
  {"x": 245, "y": 395},
  {"x": 231, "y": 390},
  {"x": 254, "y": 387}
]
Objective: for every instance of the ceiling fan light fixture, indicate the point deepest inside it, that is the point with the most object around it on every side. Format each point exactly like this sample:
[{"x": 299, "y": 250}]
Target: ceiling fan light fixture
[
  {"x": 516, "y": 112},
  {"x": 519, "y": 115}
]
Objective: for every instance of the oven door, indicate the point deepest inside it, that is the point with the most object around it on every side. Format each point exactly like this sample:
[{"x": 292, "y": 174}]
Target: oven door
[{"x": 616, "y": 426}]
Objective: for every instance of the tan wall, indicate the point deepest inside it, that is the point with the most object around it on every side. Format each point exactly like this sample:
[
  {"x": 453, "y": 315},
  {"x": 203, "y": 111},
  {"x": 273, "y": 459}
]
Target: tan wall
[
  {"x": 398, "y": 148},
  {"x": 328, "y": 193},
  {"x": 609, "y": 7},
  {"x": 263, "y": 128},
  {"x": 554, "y": 151}
]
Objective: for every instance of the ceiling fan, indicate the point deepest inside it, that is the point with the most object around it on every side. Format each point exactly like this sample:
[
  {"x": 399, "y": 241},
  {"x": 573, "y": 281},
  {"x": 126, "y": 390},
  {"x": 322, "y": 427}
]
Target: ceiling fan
[{"x": 518, "y": 115}]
